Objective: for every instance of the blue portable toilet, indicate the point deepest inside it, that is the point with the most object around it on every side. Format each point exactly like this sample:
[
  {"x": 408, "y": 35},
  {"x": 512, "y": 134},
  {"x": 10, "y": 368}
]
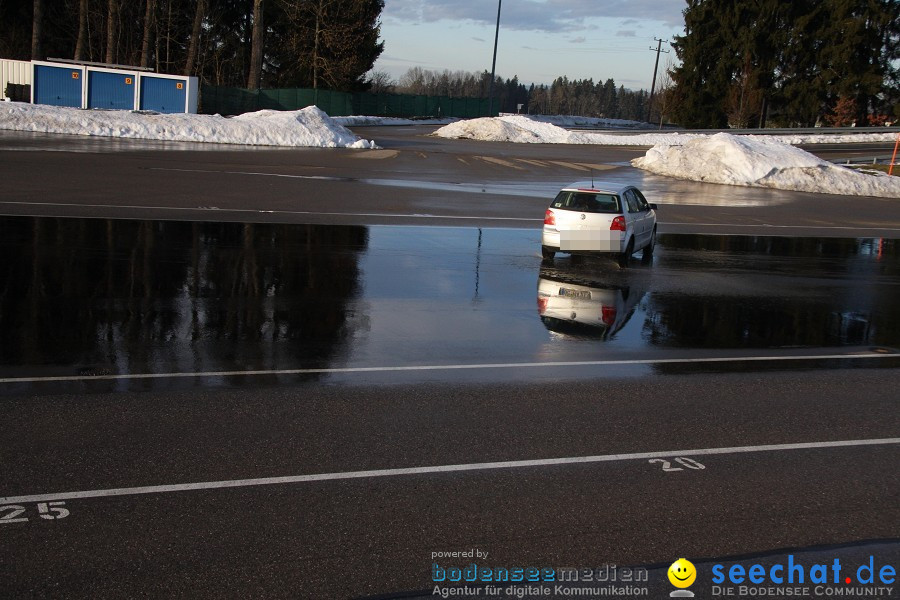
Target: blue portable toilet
[
  {"x": 168, "y": 93},
  {"x": 57, "y": 85},
  {"x": 113, "y": 89}
]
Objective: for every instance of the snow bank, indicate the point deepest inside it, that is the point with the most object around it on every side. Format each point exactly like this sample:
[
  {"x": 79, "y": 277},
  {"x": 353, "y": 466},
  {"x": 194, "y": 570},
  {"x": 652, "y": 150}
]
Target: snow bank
[
  {"x": 576, "y": 121},
  {"x": 491, "y": 130},
  {"x": 523, "y": 129},
  {"x": 761, "y": 162},
  {"x": 547, "y": 131},
  {"x": 309, "y": 127},
  {"x": 363, "y": 121}
]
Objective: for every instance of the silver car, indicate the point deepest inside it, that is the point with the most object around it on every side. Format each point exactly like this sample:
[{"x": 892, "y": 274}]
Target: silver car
[{"x": 589, "y": 218}]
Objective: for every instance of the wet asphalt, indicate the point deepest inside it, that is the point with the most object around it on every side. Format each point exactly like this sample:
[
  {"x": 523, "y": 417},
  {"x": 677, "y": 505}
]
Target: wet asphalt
[
  {"x": 206, "y": 354},
  {"x": 413, "y": 180},
  {"x": 99, "y": 299}
]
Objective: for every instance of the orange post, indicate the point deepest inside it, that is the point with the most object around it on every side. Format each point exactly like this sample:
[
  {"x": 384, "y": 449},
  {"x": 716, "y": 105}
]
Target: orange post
[{"x": 891, "y": 168}]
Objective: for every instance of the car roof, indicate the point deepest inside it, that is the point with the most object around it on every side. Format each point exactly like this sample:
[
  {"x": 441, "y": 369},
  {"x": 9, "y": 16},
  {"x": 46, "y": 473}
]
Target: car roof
[{"x": 597, "y": 186}]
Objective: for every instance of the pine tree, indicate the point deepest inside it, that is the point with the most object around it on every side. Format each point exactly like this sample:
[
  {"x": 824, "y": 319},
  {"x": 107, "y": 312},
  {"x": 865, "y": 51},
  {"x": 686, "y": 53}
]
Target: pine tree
[
  {"x": 706, "y": 51},
  {"x": 798, "y": 56},
  {"x": 610, "y": 107},
  {"x": 858, "y": 32},
  {"x": 802, "y": 85}
]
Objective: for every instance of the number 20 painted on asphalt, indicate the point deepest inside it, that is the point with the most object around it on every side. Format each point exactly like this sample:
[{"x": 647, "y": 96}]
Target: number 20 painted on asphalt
[
  {"x": 667, "y": 467},
  {"x": 12, "y": 513}
]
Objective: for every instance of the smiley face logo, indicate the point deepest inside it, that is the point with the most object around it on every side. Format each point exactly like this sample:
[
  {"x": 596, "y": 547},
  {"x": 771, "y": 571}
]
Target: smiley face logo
[{"x": 682, "y": 573}]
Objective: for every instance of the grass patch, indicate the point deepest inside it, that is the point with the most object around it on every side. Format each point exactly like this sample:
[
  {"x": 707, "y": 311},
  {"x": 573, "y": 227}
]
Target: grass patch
[{"x": 878, "y": 167}]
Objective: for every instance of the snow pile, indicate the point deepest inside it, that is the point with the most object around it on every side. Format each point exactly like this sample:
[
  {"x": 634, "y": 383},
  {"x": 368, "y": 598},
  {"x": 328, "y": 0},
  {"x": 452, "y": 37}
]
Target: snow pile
[
  {"x": 363, "y": 121},
  {"x": 490, "y": 129},
  {"x": 523, "y": 129},
  {"x": 309, "y": 127},
  {"x": 548, "y": 131},
  {"x": 761, "y": 162},
  {"x": 576, "y": 121}
]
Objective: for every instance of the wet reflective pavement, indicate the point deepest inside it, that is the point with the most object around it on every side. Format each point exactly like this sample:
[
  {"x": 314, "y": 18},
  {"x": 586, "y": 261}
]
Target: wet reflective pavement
[{"x": 85, "y": 300}]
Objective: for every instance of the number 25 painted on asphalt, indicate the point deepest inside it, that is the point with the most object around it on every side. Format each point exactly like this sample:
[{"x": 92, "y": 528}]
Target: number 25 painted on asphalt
[
  {"x": 12, "y": 513},
  {"x": 690, "y": 463}
]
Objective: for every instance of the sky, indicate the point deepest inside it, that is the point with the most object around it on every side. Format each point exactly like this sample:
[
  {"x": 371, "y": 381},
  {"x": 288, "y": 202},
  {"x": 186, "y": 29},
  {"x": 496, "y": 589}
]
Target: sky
[{"x": 539, "y": 40}]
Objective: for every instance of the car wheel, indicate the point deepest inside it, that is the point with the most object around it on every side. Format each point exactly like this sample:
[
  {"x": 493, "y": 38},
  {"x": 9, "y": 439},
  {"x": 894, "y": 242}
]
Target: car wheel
[
  {"x": 625, "y": 257},
  {"x": 648, "y": 250},
  {"x": 547, "y": 253}
]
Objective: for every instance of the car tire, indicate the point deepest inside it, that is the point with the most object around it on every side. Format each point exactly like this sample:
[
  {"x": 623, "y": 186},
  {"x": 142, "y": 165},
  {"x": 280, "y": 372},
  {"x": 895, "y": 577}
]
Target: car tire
[
  {"x": 547, "y": 253},
  {"x": 625, "y": 257},
  {"x": 648, "y": 250}
]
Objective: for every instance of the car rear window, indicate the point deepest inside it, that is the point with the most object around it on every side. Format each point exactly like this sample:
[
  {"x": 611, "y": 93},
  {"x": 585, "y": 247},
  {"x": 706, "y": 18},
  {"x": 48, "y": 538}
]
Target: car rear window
[{"x": 589, "y": 202}]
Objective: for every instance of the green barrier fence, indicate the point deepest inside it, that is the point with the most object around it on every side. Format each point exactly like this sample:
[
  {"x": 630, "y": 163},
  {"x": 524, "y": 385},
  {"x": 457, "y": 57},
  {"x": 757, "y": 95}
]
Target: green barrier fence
[{"x": 235, "y": 101}]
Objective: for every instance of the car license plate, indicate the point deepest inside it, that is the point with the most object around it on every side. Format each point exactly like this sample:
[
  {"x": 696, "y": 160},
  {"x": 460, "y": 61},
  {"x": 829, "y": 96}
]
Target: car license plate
[
  {"x": 589, "y": 240},
  {"x": 578, "y": 294}
]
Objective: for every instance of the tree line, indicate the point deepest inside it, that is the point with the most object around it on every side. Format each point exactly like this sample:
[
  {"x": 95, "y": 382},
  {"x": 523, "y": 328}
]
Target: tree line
[
  {"x": 328, "y": 44},
  {"x": 562, "y": 97},
  {"x": 798, "y": 63},
  {"x": 243, "y": 43},
  {"x": 742, "y": 63}
]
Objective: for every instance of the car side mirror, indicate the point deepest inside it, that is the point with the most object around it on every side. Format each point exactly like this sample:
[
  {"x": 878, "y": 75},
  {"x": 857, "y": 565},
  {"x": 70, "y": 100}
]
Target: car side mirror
[{"x": 654, "y": 207}]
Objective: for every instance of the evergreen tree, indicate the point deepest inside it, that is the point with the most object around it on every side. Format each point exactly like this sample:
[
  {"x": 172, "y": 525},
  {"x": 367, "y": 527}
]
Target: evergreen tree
[
  {"x": 706, "y": 51},
  {"x": 794, "y": 58},
  {"x": 857, "y": 56},
  {"x": 610, "y": 100}
]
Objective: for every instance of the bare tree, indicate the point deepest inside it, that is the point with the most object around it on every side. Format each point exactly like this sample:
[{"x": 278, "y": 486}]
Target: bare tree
[
  {"x": 743, "y": 98},
  {"x": 195, "y": 38},
  {"x": 414, "y": 81},
  {"x": 81, "y": 44},
  {"x": 256, "y": 51},
  {"x": 320, "y": 10},
  {"x": 112, "y": 31},
  {"x": 381, "y": 83},
  {"x": 149, "y": 23},
  {"x": 666, "y": 96},
  {"x": 36, "y": 25}
]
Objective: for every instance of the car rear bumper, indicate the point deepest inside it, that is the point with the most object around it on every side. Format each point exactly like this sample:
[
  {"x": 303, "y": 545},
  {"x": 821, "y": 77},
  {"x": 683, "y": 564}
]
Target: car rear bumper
[{"x": 589, "y": 241}]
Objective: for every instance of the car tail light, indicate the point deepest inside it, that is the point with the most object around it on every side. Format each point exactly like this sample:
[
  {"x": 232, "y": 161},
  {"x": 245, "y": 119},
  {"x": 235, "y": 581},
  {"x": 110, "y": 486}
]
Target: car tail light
[
  {"x": 608, "y": 314},
  {"x": 618, "y": 224},
  {"x": 550, "y": 218},
  {"x": 542, "y": 305}
]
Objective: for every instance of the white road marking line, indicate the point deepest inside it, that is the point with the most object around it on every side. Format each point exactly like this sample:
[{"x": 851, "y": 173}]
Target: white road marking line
[
  {"x": 286, "y": 175},
  {"x": 267, "y": 212},
  {"x": 767, "y": 226},
  {"x": 512, "y": 464},
  {"x": 399, "y": 368},
  {"x": 413, "y": 216}
]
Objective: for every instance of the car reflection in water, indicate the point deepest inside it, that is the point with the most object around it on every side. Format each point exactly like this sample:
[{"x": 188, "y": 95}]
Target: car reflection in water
[{"x": 588, "y": 301}]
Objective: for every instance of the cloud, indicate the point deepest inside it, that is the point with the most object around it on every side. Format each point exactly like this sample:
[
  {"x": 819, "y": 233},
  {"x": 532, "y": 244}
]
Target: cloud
[
  {"x": 626, "y": 34},
  {"x": 536, "y": 15},
  {"x": 478, "y": 39},
  {"x": 578, "y": 40}
]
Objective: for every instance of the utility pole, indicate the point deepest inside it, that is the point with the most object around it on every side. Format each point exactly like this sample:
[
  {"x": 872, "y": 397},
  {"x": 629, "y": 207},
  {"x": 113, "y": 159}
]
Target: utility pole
[
  {"x": 658, "y": 49},
  {"x": 494, "y": 63}
]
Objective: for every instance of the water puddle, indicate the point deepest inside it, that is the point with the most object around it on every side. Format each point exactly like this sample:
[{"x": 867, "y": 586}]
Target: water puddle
[{"x": 91, "y": 297}]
